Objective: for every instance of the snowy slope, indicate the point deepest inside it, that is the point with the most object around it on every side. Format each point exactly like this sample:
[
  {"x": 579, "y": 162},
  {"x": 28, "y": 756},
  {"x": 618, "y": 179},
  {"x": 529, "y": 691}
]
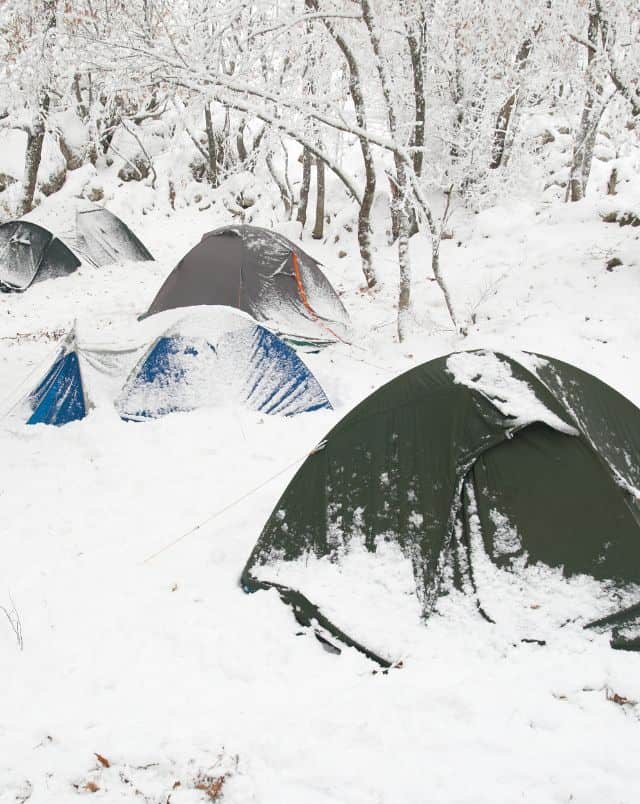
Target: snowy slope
[{"x": 163, "y": 666}]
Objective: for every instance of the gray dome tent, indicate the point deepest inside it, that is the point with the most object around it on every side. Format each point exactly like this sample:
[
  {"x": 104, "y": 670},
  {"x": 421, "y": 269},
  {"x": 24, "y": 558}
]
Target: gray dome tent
[
  {"x": 29, "y": 253},
  {"x": 475, "y": 472},
  {"x": 263, "y": 274},
  {"x": 106, "y": 239}
]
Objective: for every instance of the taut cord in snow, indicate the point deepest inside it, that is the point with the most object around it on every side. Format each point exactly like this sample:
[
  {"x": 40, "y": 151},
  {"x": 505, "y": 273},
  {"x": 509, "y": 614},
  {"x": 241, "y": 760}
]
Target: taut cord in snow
[{"x": 230, "y": 505}]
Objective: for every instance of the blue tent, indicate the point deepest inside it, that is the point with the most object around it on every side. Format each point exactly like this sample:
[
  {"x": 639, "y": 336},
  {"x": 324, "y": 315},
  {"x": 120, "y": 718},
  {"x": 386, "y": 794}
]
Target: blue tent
[
  {"x": 218, "y": 356},
  {"x": 59, "y": 398}
]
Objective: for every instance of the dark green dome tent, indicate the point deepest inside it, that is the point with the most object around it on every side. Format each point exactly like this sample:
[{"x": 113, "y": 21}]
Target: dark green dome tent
[
  {"x": 264, "y": 274},
  {"x": 472, "y": 468}
]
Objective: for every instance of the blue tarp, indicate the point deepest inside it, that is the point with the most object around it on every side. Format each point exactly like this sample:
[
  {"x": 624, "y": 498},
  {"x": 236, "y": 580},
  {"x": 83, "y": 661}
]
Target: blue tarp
[
  {"x": 248, "y": 366},
  {"x": 60, "y": 397}
]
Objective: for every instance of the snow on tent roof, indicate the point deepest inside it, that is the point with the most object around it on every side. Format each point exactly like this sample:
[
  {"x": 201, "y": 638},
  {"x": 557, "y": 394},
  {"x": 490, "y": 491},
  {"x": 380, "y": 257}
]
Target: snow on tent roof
[
  {"x": 504, "y": 481},
  {"x": 218, "y": 357},
  {"x": 59, "y": 398},
  {"x": 106, "y": 239},
  {"x": 29, "y": 252},
  {"x": 262, "y": 273}
]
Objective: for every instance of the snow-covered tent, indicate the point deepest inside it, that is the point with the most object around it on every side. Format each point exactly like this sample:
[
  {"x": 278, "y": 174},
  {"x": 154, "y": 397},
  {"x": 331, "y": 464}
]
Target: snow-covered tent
[
  {"x": 218, "y": 356},
  {"x": 263, "y": 274},
  {"x": 176, "y": 361},
  {"x": 59, "y": 397},
  {"x": 29, "y": 253},
  {"x": 84, "y": 373},
  {"x": 510, "y": 484},
  {"x": 105, "y": 239}
]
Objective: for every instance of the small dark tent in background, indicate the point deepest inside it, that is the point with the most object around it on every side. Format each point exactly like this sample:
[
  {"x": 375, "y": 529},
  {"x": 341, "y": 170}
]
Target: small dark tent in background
[
  {"x": 106, "y": 239},
  {"x": 29, "y": 253},
  {"x": 476, "y": 468},
  {"x": 263, "y": 274}
]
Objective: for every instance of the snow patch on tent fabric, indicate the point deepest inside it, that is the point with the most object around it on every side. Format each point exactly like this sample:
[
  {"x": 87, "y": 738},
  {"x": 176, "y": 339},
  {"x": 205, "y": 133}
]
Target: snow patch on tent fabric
[
  {"x": 348, "y": 590},
  {"x": 248, "y": 365},
  {"x": 506, "y": 540},
  {"x": 531, "y": 601},
  {"x": 486, "y": 373},
  {"x": 59, "y": 397},
  {"x": 106, "y": 239}
]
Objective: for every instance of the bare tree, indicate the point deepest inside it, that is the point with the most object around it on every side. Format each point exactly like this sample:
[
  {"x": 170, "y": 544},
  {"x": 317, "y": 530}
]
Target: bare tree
[
  {"x": 36, "y": 132},
  {"x": 318, "y": 229}
]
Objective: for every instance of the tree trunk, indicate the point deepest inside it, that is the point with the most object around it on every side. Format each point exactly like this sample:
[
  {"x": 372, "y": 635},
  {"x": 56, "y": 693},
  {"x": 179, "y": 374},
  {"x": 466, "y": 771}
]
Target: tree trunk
[
  {"x": 506, "y": 113},
  {"x": 364, "y": 223},
  {"x": 35, "y": 136},
  {"x": 80, "y": 104},
  {"x": 318, "y": 229},
  {"x": 282, "y": 187},
  {"x": 416, "y": 51},
  {"x": 212, "y": 163},
  {"x": 402, "y": 189},
  {"x": 33, "y": 157},
  {"x": 242, "y": 150},
  {"x": 304, "y": 188},
  {"x": 364, "y": 212},
  {"x": 585, "y": 139},
  {"x": 404, "y": 264}
]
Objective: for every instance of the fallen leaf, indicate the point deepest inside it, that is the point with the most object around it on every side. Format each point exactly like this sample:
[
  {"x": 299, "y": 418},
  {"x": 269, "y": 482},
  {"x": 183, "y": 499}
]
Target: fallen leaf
[
  {"x": 212, "y": 786},
  {"x": 92, "y": 787},
  {"x": 102, "y": 760}
]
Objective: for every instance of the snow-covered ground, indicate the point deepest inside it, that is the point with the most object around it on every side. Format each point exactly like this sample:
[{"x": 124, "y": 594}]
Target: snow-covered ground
[{"x": 181, "y": 682}]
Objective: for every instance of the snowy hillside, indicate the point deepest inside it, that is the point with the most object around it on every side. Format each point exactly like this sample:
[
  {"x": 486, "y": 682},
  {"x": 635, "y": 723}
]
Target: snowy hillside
[
  {"x": 467, "y": 176},
  {"x": 166, "y": 668}
]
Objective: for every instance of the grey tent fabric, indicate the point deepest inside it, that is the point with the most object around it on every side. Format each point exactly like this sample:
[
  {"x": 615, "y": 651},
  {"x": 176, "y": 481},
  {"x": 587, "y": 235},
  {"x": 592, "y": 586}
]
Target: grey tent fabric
[
  {"x": 106, "y": 239},
  {"x": 261, "y": 273},
  {"x": 29, "y": 253}
]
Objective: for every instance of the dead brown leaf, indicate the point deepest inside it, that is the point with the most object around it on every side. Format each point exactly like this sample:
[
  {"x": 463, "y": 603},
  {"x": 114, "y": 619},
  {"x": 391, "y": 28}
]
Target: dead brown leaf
[
  {"x": 91, "y": 787},
  {"x": 619, "y": 699},
  {"x": 211, "y": 785},
  {"x": 102, "y": 760}
]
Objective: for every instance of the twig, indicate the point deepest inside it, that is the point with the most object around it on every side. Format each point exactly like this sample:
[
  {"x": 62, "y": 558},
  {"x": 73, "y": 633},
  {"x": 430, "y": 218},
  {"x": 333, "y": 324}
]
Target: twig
[{"x": 15, "y": 622}]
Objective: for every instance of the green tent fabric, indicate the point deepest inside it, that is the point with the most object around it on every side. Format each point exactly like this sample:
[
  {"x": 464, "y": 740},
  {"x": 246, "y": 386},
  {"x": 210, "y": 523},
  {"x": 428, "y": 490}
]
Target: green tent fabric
[{"x": 471, "y": 460}]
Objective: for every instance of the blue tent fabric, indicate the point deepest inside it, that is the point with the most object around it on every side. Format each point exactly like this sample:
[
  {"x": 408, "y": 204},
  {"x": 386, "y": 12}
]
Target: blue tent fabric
[
  {"x": 59, "y": 398},
  {"x": 247, "y": 365},
  {"x": 296, "y": 389}
]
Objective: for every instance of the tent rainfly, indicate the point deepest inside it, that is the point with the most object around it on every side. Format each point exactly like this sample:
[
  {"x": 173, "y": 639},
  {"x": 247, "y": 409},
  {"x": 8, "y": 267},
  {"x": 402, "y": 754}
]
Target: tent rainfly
[
  {"x": 29, "y": 253},
  {"x": 219, "y": 356},
  {"x": 263, "y": 274},
  {"x": 106, "y": 239},
  {"x": 509, "y": 486},
  {"x": 59, "y": 398},
  {"x": 177, "y": 362}
]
